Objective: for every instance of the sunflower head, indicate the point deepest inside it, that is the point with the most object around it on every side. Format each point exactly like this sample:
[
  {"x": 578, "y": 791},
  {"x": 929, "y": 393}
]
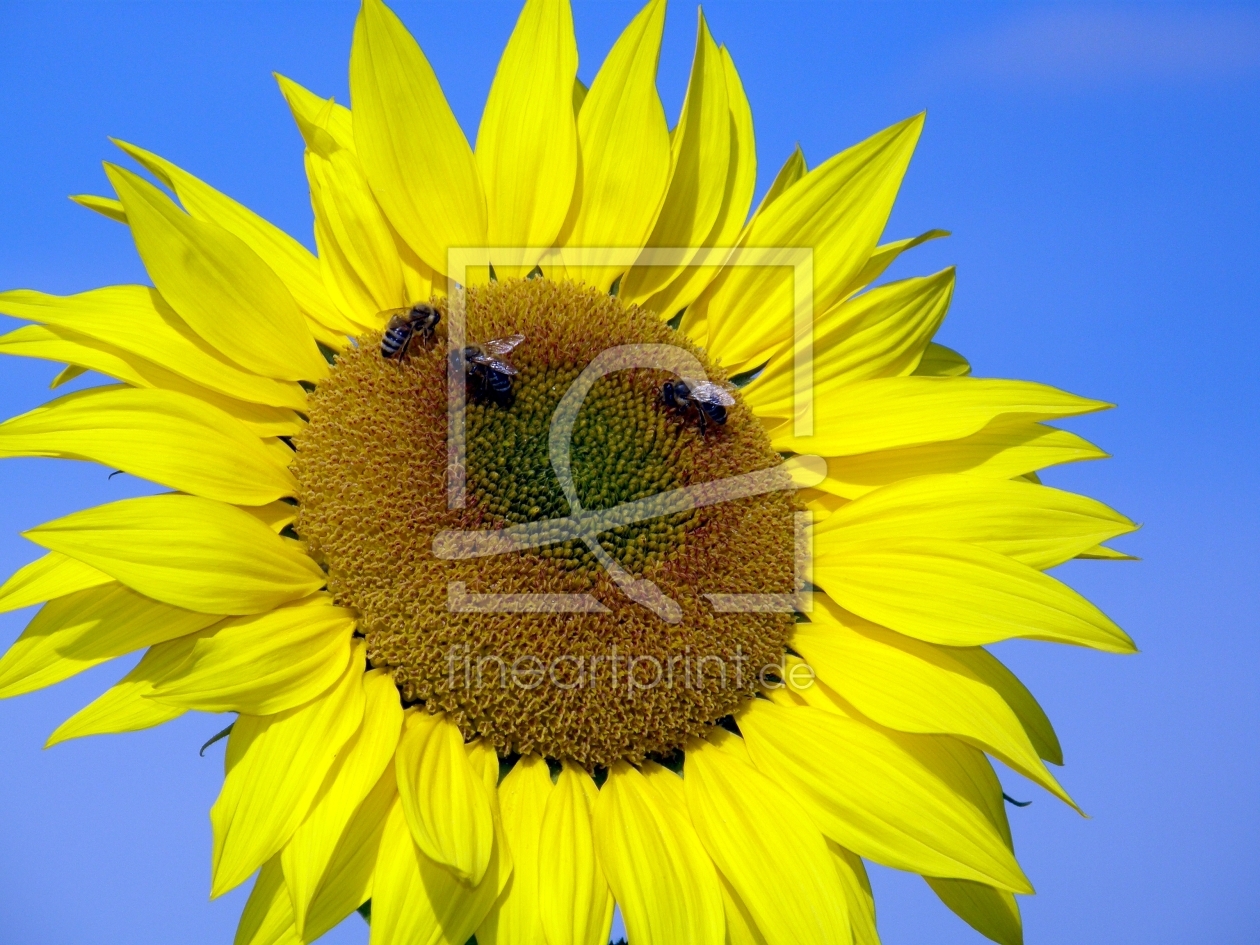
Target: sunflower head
[
  {"x": 515, "y": 627},
  {"x": 374, "y": 470}
]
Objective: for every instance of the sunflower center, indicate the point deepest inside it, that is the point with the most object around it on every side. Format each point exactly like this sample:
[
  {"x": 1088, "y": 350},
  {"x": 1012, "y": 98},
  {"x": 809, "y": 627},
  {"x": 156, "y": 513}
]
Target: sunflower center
[
  {"x": 623, "y": 449},
  {"x": 539, "y": 648}
]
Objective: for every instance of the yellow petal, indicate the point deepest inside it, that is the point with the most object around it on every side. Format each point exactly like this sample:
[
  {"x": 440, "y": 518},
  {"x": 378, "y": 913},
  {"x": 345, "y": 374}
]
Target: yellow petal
[
  {"x": 959, "y": 595},
  {"x": 485, "y": 764},
  {"x": 667, "y": 785},
  {"x": 881, "y": 333},
  {"x": 275, "y": 766},
  {"x": 417, "y": 902},
  {"x": 446, "y": 803},
  {"x": 62, "y": 344},
  {"x": 81, "y": 630},
  {"x": 416, "y": 157},
  {"x": 67, "y": 374},
  {"x": 822, "y": 504},
  {"x": 282, "y": 454},
  {"x": 527, "y": 145},
  {"x": 695, "y": 319},
  {"x": 1103, "y": 553},
  {"x": 402, "y": 912},
  {"x": 741, "y": 179},
  {"x": 346, "y": 881},
  {"x": 275, "y": 515},
  {"x": 741, "y": 176},
  {"x": 186, "y": 551},
  {"x": 766, "y": 847},
  {"x": 81, "y": 353},
  {"x": 791, "y": 171},
  {"x": 126, "y": 707},
  {"x": 268, "y": 916},
  {"x": 356, "y": 244},
  {"x": 625, "y": 148},
  {"x": 311, "y": 862},
  {"x": 266, "y": 663},
  {"x": 105, "y": 206},
  {"x": 964, "y": 769},
  {"x": 894, "y": 412},
  {"x": 838, "y": 210},
  {"x": 740, "y": 928},
  {"x": 421, "y": 281},
  {"x": 986, "y": 666},
  {"x": 1002, "y": 450},
  {"x": 358, "y": 249},
  {"x": 311, "y": 109},
  {"x": 659, "y": 873},
  {"x": 885, "y": 255},
  {"x": 888, "y": 797},
  {"x": 575, "y": 905},
  {"x": 940, "y": 361},
  {"x": 45, "y": 578},
  {"x": 220, "y": 286},
  {"x": 732, "y": 745},
  {"x": 913, "y": 686},
  {"x": 700, "y": 160},
  {"x": 993, "y": 913},
  {"x": 163, "y": 436},
  {"x": 857, "y": 893},
  {"x": 285, "y": 256},
  {"x": 136, "y": 319},
  {"x": 523, "y": 797},
  {"x": 1034, "y": 524}
]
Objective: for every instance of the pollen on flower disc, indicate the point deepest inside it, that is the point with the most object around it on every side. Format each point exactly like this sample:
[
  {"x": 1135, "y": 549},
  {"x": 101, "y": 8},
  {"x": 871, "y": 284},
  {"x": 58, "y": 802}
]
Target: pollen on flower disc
[{"x": 591, "y": 687}]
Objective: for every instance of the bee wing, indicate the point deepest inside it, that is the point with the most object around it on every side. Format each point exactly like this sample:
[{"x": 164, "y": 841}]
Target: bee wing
[
  {"x": 391, "y": 313},
  {"x": 494, "y": 364},
  {"x": 711, "y": 393},
  {"x": 503, "y": 345}
]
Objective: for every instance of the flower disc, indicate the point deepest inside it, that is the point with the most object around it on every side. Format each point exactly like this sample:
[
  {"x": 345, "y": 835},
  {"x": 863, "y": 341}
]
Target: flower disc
[{"x": 594, "y": 687}]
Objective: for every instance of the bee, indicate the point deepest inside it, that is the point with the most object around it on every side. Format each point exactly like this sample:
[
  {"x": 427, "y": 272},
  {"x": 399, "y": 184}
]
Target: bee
[
  {"x": 405, "y": 324},
  {"x": 487, "y": 376},
  {"x": 705, "y": 401}
]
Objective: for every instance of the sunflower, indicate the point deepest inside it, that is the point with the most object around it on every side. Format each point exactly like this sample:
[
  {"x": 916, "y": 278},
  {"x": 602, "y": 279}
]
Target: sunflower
[{"x": 614, "y": 704}]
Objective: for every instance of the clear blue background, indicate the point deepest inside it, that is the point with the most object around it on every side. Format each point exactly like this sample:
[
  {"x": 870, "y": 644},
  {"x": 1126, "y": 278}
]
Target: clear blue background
[{"x": 1098, "y": 167}]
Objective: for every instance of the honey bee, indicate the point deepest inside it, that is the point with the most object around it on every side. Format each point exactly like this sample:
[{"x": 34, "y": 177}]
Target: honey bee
[
  {"x": 405, "y": 324},
  {"x": 488, "y": 376},
  {"x": 704, "y": 402}
]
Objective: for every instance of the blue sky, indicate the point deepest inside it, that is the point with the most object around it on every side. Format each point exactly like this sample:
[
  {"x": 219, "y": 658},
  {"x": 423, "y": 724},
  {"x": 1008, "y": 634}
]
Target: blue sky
[{"x": 1098, "y": 167}]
